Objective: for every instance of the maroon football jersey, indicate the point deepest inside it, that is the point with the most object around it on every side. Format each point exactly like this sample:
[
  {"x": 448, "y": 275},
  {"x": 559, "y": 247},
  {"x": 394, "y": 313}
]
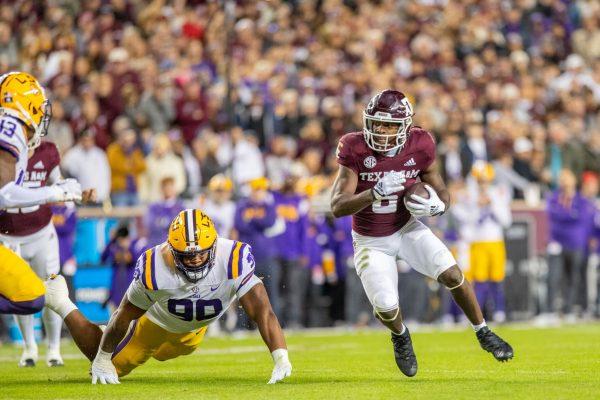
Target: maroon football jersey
[
  {"x": 389, "y": 214},
  {"x": 28, "y": 220}
]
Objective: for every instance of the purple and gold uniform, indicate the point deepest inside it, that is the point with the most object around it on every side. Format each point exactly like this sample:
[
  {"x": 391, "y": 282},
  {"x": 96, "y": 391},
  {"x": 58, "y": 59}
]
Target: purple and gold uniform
[
  {"x": 30, "y": 233},
  {"x": 179, "y": 311}
]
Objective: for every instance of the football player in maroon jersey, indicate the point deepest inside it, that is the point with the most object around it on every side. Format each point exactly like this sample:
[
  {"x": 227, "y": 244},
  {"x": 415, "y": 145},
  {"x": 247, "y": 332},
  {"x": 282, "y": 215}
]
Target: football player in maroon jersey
[{"x": 375, "y": 167}]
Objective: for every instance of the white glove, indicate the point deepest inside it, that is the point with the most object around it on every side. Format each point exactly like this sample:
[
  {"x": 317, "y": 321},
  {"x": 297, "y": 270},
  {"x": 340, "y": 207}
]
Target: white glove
[
  {"x": 422, "y": 207},
  {"x": 65, "y": 190},
  {"x": 391, "y": 183},
  {"x": 283, "y": 367},
  {"x": 103, "y": 369}
]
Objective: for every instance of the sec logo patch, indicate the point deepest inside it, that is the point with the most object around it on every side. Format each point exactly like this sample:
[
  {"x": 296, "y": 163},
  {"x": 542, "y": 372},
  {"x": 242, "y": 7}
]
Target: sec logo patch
[{"x": 370, "y": 162}]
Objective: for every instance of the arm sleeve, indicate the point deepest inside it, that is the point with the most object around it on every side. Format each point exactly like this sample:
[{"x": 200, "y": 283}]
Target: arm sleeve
[
  {"x": 16, "y": 196},
  {"x": 137, "y": 294},
  {"x": 247, "y": 279}
]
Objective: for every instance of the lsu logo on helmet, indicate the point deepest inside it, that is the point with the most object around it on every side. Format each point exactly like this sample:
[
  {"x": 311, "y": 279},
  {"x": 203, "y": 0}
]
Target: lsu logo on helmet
[
  {"x": 191, "y": 234},
  {"x": 22, "y": 97}
]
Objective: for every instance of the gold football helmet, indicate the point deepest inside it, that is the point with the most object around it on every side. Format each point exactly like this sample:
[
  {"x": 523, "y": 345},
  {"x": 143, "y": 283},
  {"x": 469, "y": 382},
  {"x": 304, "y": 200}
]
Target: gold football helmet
[
  {"x": 22, "y": 97},
  {"x": 192, "y": 239}
]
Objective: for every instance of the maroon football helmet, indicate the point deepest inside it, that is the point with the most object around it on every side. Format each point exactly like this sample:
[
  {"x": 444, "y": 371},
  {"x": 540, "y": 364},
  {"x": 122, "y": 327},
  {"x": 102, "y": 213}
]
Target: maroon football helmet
[{"x": 389, "y": 106}]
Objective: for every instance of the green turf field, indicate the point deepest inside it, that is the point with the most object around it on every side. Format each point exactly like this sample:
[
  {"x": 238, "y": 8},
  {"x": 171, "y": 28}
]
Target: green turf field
[{"x": 557, "y": 363}]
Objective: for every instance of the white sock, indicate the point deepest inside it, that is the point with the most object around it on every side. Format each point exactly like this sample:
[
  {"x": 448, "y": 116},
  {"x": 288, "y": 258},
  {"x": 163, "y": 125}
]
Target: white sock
[
  {"x": 401, "y": 332},
  {"x": 53, "y": 325},
  {"x": 65, "y": 308},
  {"x": 478, "y": 327},
  {"x": 25, "y": 323}
]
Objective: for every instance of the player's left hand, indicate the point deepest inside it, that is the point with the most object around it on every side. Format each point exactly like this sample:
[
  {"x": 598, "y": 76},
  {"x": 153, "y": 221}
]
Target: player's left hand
[
  {"x": 283, "y": 367},
  {"x": 103, "y": 369},
  {"x": 422, "y": 207}
]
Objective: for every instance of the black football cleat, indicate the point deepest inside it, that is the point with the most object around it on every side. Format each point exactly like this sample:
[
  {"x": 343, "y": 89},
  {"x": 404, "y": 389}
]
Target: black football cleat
[
  {"x": 27, "y": 363},
  {"x": 492, "y": 343},
  {"x": 404, "y": 353}
]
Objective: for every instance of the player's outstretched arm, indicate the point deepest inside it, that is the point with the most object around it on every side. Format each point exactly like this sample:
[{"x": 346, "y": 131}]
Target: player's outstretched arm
[
  {"x": 343, "y": 200},
  {"x": 257, "y": 306},
  {"x": 102, "y": 366},
  {"x": 17, "y": 196}
]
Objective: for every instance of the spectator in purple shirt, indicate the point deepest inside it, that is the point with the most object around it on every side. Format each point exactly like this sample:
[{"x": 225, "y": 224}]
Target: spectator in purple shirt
[
  {"x": 256, "y": 224},
  {"x": 569, "y": 215},
  {"x": 161, "y": 213},
  {"x": 121, "y": 252}
]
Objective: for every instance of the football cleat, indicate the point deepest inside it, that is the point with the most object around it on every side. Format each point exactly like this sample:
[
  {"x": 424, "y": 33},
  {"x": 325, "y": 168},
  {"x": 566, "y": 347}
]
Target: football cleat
[
  {"x": 54, "y": 359},
  {"x": 492, "y": 343},
  {"x": 404, "y": 353},
  {"x": 28, "y": 358}
]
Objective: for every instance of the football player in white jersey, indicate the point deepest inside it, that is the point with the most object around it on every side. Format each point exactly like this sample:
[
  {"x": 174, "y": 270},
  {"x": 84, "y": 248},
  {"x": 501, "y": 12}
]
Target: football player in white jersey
[
  {"x": 24, "y": 117},
  {"x": 179, "y": 288}
]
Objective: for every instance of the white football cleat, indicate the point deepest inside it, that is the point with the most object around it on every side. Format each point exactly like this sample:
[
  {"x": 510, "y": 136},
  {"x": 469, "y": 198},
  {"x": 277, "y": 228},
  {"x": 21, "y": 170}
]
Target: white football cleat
[
  {"x": 57, "y": 295},
  {"x": 29, "y": 357},
  {"x": 54, "y": 359}
]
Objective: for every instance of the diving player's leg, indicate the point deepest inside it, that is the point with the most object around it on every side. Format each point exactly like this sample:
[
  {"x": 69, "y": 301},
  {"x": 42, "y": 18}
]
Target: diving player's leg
[
  {"x": 426, "y": 253},
  {"x": 86, "y": 335},
  {"x": 21, "y": 291},
  {"x": 143, "y": 340},
  {"x": 180, "y": 344},
  {"x": 379, "y": 276},
  {"x": 29, "y": 356}
]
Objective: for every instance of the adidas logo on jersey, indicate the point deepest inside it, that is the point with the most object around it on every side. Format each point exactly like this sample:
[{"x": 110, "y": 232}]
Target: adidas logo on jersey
[
  {"x": 410, "y": 162},
  {"x": 39, "y": 165}
]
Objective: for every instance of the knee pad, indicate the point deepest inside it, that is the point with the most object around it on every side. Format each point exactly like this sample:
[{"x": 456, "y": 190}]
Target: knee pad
[{"x": 385, "y": 302}]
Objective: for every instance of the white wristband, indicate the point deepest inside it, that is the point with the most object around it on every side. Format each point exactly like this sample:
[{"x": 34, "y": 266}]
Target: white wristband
[
  {"x": 103, "y": 355},
  {"x": 279, "y": 355}
]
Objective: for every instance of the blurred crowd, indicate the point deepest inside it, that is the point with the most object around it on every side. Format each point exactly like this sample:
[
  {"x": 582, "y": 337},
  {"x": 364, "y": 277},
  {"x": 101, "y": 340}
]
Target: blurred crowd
[
  {"x": 255, "y": 88},
  {"x": 155, "y": 97}
]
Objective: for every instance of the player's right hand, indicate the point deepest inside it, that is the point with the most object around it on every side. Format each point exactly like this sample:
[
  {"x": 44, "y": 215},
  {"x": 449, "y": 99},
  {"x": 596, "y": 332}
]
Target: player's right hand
[
  {"x": 103, "y": 369},
  {"x": 66, "y": 190},
  {"x": 391, "y": 183}
]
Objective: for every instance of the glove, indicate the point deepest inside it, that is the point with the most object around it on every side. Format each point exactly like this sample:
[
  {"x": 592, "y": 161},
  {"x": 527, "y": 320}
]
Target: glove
[
  {"x": 391, "y": 183},
  {"x": 283, "y": 367},
  {"x": 103, "y": 369},
  {"x": 65, "y": 190},
  {"x": 422, "y": 207}
]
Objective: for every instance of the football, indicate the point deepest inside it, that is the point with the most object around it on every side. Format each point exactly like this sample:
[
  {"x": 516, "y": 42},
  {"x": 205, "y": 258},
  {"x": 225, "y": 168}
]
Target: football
[{"x": 418, "y": 189}]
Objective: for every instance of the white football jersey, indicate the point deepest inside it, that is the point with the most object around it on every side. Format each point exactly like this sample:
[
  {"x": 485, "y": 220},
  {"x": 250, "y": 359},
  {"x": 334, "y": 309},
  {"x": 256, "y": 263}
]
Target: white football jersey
[
  {"x": 14, "y": 140},
  {"x": 179, "y": 306}
]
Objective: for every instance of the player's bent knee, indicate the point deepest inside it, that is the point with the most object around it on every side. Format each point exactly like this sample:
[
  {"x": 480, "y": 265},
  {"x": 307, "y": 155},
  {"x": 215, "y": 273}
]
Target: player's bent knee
[
  {"x": 28, "y": 307},
  {"x": 452, "y": 278},
  {"x": 383, "y": 302}
]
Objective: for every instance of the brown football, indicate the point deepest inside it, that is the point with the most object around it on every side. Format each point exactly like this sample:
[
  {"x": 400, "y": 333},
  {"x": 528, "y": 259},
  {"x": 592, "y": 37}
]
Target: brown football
[{"x": 418, "y": 189}]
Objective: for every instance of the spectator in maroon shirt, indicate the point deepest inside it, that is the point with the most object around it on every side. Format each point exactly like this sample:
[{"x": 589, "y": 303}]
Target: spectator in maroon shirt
[{"x": 190, "y": 108}]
